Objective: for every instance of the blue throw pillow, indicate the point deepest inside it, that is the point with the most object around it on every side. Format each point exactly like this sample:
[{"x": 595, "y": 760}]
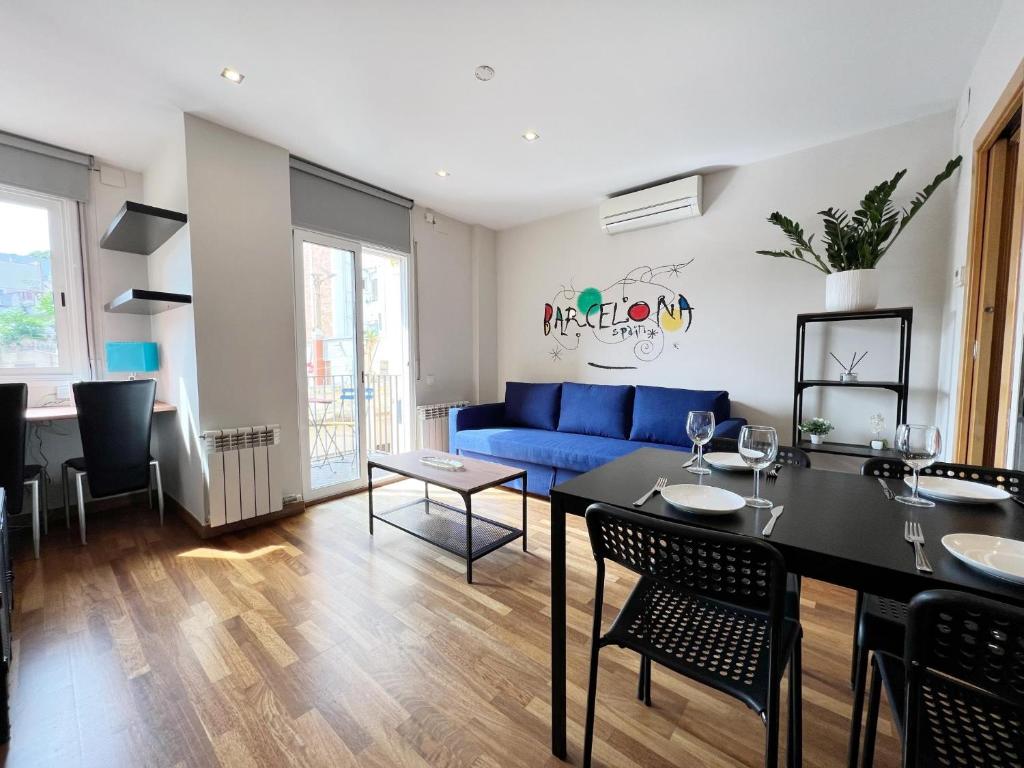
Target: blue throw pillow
[
  {"x": 595, "y": 409},
  {"x": 532, "y": 405},
  {"x": 659, "y": 413}
]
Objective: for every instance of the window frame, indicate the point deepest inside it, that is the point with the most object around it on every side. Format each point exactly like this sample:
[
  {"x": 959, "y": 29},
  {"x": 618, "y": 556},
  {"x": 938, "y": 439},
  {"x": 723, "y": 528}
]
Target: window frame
[{"x": 67, "y": 282}]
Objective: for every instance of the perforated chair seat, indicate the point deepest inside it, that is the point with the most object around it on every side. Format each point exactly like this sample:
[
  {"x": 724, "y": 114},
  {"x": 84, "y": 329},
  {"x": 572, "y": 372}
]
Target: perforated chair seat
[
  {"x": 883, "y": 624},
  {"x": 715, "y": 643}
]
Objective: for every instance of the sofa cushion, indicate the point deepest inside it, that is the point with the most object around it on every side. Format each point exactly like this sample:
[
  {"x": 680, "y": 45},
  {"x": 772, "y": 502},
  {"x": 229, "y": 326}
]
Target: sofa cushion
[
  {"x": 596, "y": 409},
  {"x": 565, "y": 450},
  {"x": 659, "y": 413},
  {"x": 532, "y": 405}
]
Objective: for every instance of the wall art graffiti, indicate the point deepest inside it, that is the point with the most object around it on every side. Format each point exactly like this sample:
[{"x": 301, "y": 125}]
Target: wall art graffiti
[{"x": 642, "y": 309}]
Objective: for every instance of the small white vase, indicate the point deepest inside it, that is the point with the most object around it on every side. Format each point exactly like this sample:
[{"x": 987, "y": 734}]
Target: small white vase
[
  {"x": 817, "y": 439},
  {"x": 851, "y": 291}
]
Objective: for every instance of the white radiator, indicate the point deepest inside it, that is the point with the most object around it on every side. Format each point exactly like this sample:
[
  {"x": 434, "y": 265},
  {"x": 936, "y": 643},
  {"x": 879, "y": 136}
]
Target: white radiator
[
  {"x": 244, "y": 473},
  {"x": 433, "y": 425}
]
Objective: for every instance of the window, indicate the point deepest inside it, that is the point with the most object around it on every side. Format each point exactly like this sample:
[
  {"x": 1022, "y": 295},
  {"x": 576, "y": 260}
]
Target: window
[{"x": 42, "y": 320}]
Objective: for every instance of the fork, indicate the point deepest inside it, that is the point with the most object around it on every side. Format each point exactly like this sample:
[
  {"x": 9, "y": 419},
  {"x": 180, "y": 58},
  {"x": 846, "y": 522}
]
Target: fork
[
  {"x": 912, "y": 533},
  {"x": 773, "y": 473},
  {"x": 658, "y": 486}
]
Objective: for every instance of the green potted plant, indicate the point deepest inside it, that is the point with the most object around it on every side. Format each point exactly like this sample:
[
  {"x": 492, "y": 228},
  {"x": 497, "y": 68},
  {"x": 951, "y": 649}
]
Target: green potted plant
[
  {"x": 817, "y": 428},
  {"x": 855, "y": 244}
]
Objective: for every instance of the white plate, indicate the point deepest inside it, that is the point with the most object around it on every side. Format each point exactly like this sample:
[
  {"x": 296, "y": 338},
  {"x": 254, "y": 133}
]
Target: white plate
[
  {"x": 702, "y": 499},
  {"x": 960, "y": 491},
  {"x": 439, "y": 462},
  {"x": 994, "y": 555},
  {"x": 730, "y": 462}
]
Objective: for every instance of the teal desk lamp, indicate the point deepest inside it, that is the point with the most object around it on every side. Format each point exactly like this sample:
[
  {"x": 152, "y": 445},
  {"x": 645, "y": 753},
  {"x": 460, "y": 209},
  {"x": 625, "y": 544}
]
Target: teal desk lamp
[{"x": 132, "y": 357}]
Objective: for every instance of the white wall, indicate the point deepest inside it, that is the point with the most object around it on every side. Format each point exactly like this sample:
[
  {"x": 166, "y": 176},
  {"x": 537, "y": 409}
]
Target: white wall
[
  {"x": 176, "y": 440},
  {"x": 742, "y": 336},
  {"x": 444, "y": 295},
  {"x": 484, "y": 243},
  {"x": 999, "y": 58},
  {"x": 240, "y": 235}
]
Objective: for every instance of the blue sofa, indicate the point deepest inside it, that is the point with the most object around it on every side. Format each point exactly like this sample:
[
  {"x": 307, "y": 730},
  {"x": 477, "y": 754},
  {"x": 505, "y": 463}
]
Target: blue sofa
[{"x": 558, "y": 431}]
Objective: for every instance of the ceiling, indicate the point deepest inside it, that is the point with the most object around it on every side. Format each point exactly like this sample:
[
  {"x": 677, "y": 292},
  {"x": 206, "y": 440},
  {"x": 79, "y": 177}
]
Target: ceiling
[{"x": 622, "y": 93}]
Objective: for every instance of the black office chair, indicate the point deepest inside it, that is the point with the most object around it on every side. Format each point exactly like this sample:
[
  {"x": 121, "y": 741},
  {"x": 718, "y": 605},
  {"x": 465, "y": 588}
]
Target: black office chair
[
  {"x": 708, "y": 605},
  {"x": 115, "y": 419},
  {"x": 15, "y": 475},
  {"x": 880, "y": 621},
  {"x": 788, "y": 454},
  {"x": 957, "y": 693}
]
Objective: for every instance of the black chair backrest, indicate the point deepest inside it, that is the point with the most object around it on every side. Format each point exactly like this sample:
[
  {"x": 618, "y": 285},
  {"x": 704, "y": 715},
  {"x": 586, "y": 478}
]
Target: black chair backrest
[
  {"x": 788, "y": 454},
  {"x": 115, "y": 419},
  {"x": 960, "y": 642},
  {"x": 1010, "y": 480},
  {"x": 720, "y": 566},
  {"x": 13, "y": 401}
]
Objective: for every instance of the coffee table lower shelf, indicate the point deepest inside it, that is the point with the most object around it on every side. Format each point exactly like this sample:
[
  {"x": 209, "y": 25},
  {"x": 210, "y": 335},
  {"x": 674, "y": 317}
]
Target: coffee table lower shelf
[{"x": 445, "y": 526}]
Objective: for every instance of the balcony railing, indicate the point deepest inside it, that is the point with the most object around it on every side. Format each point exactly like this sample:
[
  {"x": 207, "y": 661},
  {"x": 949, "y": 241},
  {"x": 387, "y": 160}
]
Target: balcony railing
[{"x": 333, "y": 424}]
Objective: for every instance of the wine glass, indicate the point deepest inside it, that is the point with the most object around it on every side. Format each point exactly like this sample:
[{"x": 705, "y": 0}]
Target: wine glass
[
  {"x": 918, "y": 446},
  {"x": 700, "y": 427},
  {"x": 758, "y": 447}
]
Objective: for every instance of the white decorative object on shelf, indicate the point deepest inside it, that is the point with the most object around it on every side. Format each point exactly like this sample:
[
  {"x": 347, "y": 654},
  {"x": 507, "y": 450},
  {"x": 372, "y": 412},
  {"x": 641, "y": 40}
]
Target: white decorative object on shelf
[
  {"x": 877, "y": 428},
  {"x": 851, "y": 291}
]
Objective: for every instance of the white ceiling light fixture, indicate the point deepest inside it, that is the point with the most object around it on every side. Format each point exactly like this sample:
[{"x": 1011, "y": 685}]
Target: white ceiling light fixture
[
  {"x": 232, "y": 75},
  {"x": 530, "y": 136},
  {"x": 484, "y": 73},
  {"x": 442, "y": 172}
]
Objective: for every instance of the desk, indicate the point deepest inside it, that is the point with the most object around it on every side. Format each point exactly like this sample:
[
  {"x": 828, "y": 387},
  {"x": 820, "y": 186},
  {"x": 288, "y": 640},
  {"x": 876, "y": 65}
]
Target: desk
[{"x": 65, "y": 412}]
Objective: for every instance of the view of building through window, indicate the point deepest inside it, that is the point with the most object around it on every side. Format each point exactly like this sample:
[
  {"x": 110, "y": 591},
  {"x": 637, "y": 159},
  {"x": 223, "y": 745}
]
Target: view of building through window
[
  {"x": 28, "y": 328},
  {"x": 336, "y": 422}
]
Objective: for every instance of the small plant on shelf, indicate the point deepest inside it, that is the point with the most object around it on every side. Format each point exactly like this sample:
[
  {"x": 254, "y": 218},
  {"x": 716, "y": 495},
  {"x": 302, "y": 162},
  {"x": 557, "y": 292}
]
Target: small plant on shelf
[{"x": 817, "y": 428}]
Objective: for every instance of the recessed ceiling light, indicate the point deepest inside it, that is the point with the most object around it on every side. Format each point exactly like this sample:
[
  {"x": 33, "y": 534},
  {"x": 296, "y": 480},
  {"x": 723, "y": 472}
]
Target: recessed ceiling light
[
  {"x": 442, "y": 172},
  {"x": 232, "y": 75},
  {"x": 531, "y": 136},
  {"x": 484, "y": 72}
]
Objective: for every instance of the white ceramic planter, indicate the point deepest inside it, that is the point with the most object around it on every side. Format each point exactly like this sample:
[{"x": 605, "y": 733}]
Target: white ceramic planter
[
  {"x": 817, "y": 439},
  {"x": 851, "y": 291}
]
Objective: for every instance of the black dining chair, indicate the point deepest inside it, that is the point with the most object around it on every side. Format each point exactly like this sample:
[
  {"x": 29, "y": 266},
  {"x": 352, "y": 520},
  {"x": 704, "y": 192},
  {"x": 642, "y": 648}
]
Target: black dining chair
[
  {"x": 957, "y": 693},
  {"x": 115, "y": 419},
  {"x": 15, "y": 475},
  {"x": 788, "y": 454},
  {"x": 880, "y": 621},
  {"x": 709, "y": 606}
]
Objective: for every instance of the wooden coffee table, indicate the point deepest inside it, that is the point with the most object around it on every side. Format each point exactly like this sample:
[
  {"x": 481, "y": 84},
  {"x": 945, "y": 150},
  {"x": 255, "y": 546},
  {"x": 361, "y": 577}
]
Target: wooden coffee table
[{"x": 454, "y": 530}]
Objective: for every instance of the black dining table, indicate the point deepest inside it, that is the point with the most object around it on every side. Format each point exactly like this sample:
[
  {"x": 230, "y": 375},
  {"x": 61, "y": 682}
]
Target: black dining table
[{"x": 836, "y": 527}]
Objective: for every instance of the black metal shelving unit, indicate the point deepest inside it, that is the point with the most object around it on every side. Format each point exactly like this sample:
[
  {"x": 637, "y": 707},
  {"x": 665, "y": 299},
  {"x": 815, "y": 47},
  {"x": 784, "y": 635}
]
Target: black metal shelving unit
[{"x": 901, "y": 387}]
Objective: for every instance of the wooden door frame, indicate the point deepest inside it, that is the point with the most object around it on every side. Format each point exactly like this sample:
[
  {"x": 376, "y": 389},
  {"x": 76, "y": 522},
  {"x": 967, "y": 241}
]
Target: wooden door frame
[{"x": 1011, "y": 101}]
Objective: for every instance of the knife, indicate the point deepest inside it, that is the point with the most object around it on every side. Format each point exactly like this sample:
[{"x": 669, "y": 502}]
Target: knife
[
  {"x": 689, "y": 461},
  {"x": 886, "y": 489},
  {"x": 776, "y": 514}
]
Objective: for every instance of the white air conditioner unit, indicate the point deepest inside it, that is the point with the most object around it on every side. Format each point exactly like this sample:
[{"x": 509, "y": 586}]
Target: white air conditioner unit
[{"x": 653, "y": 206}]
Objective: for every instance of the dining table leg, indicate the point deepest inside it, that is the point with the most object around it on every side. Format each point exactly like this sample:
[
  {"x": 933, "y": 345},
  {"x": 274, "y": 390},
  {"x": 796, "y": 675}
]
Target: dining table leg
[{"x": 557, "y": 629}]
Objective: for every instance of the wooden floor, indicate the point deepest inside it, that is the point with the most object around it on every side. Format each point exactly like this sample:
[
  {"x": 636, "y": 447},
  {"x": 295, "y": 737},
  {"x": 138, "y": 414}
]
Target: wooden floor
[{"x": 309, "y": 643}]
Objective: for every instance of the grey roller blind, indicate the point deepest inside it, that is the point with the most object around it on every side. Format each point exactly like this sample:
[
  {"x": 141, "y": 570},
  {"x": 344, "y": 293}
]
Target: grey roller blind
[
  {"x": 43, "y": 167},
  {"x": 329, "y": 202}
]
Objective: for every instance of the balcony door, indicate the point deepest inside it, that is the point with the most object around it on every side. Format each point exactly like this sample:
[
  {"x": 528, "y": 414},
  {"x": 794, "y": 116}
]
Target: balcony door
[{"x": 352, "y": 320}]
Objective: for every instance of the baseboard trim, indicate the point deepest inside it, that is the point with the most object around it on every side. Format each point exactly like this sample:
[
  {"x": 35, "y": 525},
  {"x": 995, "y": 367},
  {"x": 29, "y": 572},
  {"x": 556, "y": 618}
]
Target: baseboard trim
[{"x": 206, "y": 532}]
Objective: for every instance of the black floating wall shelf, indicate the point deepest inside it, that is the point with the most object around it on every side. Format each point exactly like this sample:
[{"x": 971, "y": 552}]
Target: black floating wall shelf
[
  {"x": 138, "y": 301},
  {"x": 139, "y": 228}
]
